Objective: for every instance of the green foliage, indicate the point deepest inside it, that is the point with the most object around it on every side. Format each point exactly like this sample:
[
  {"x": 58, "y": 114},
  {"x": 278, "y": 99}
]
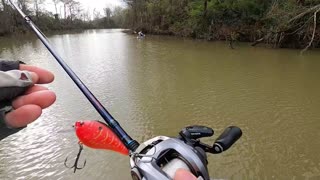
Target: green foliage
[
  {"x": 194, "y": 17},
  {"x": 233, "y": 12}
]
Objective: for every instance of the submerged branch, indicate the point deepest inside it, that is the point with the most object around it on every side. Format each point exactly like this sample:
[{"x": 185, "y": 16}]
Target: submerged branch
[
  {"x": 257, "y": 41},
  {"x": 314, "y": 30}
]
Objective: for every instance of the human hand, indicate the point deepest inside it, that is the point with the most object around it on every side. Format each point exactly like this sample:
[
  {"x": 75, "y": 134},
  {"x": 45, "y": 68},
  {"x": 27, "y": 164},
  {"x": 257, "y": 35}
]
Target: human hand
[
  {"x": 28, "y": 107},
  {"x": 182, "y": 174}
]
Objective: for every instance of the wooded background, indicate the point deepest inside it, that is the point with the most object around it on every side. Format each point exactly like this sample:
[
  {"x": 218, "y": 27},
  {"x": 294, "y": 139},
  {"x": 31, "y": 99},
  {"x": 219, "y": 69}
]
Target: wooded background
[{"x": 279, "y": 23}]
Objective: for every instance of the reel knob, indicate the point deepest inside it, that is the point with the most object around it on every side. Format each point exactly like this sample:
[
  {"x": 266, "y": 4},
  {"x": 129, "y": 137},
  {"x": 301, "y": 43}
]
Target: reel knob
[{"x": 226, "y": 139}]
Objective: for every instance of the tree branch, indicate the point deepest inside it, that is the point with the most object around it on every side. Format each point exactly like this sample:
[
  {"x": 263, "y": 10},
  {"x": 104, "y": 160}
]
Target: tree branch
[
  {"x": 314, "y": 30},
  {"x": 304, "y": 13}
]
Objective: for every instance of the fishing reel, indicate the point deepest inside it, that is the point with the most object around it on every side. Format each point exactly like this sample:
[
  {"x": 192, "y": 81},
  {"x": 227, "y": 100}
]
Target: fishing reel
[{"x": 161, "y": 157}]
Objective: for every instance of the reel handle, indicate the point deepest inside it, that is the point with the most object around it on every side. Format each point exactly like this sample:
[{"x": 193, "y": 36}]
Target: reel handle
[{"x": 229, "y": 136}]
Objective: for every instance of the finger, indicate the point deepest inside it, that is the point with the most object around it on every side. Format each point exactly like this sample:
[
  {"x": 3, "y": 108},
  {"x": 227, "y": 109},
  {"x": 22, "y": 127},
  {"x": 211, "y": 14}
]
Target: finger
[
  {"x": 182, "y": 174},
  {"x": 35, "y": 88},
  {"x": 44, "y": 75},
  {"x": 23, "y": 116},
  {"x": 41, "y": 98}
]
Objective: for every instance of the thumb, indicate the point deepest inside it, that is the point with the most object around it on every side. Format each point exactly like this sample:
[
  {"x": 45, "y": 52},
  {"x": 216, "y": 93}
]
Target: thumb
[{"x": 182, "y": 174}]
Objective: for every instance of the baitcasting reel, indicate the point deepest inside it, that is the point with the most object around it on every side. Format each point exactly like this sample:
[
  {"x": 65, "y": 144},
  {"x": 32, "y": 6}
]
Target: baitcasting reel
[{"x": 159, "y": 158}]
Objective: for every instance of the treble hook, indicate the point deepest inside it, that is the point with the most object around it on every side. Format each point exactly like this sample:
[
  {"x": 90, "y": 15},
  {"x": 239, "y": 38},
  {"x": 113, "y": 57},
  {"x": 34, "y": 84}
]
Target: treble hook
[{"x": 75, "y": 166}]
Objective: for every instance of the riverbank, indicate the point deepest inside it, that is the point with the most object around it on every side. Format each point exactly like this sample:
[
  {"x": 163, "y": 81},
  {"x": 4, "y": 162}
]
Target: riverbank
[
  {"x": 279, "y": 24},
  {"x": 254, "y": 36}
]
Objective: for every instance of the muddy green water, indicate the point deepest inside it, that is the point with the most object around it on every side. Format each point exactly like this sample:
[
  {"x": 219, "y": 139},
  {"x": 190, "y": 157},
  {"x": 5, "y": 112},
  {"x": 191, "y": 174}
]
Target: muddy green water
[{"x": 158, "y": 85}]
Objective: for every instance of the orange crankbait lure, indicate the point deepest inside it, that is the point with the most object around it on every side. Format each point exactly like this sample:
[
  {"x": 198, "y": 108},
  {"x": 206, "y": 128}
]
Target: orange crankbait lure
[{"x": 98, "y": 135}]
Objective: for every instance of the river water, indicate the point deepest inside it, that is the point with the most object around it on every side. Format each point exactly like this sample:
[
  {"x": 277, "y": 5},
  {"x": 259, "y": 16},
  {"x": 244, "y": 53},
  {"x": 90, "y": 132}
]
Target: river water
[{"x": 159, "y": 85}]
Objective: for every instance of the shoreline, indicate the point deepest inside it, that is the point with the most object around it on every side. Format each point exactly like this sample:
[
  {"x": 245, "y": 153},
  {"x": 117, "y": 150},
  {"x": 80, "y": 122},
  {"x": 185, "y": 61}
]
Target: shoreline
[
  {"x": 258, "y": 42},
  {"x": 232, "y": 43}
]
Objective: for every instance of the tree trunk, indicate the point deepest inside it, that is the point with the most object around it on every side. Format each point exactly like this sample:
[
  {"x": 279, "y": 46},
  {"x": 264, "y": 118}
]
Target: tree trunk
[
  {"x": 55, "y": 6},
  {"x": 4, "y": 5},
  {"x": 70, "y": 11},
  {"x": 65, "y": 11},
  {"x": 205, "y": 6},
  {"x": 300, "y": 2},
  {"x": 36, "y": 8}
]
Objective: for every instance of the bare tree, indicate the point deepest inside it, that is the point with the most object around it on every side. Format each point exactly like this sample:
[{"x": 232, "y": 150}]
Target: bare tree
[
  {"x": 74, "y": 9},
  {"x": 4, "y": 5},
  {"x": 86, "y": 15},
  {"x": 36, "y": 4},
  {"x": 96, "y": 14},
  {"x": 107, "y": 13},
  {"x": 65, "y": 4},
  {"x": 55, "y": 2},
  {"x": 77, "y": 9},
  {"x": 23, "y": 5}
]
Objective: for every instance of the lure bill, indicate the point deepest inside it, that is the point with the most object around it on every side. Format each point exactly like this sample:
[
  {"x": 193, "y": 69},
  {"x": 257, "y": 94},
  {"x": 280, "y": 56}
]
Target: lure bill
[{"x": 97, "y": 135}]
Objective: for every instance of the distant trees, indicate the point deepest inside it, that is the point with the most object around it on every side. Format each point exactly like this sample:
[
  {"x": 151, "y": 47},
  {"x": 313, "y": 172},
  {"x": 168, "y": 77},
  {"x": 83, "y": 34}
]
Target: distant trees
[
  {"x": 72, "y": 9},
  {"x": 112, "y": 17},
  {"x": 268, "y": 21},
  {"x": 73, "y": 16},
  {"x": 280, "y": 23}
]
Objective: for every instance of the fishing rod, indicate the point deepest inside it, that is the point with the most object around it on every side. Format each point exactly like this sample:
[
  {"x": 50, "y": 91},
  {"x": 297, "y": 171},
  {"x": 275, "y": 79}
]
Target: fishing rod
[{"x": 120, "y": 132}]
